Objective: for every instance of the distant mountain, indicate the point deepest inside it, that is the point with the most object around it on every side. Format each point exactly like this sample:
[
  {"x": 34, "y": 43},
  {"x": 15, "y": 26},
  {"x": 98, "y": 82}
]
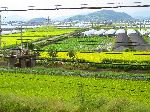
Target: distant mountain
[
  {"x": 142, "y": 18},
  {"x": 37, "y": 20},
  {"x": 141, "y": 13},
  {"x": 101, "y": 16}
]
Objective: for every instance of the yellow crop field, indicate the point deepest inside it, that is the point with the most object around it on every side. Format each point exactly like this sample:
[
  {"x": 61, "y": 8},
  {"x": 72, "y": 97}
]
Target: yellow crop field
[
  {"x": 98, "y": 57},
  {"x": 11, "y": 39}
]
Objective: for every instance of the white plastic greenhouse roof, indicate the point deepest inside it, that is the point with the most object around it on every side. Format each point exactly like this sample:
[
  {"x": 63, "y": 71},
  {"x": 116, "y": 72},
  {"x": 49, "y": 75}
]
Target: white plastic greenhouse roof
[
  {"x": 120, "y": 31},
  {"x": 131, "y": 31},
  {"x": 90, "y": 32},
  {"x": 100, "y": 32},
  {"x": 110, "y": 32}
]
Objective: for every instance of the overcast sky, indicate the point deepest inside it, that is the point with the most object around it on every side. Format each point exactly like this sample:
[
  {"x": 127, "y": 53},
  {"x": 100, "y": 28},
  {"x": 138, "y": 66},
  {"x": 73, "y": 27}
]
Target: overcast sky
[{"x": 23, "y": 4}]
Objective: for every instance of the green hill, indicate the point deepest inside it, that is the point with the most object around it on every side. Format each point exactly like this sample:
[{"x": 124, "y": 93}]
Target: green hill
[
  {"x": 101, "y": 16},
  {"x": 37, "y": 20}
]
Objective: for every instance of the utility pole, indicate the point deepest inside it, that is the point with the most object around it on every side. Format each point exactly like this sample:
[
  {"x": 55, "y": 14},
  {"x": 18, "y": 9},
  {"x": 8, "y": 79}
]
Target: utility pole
[
  {"x": 48, "y": 19},
  {"x": 140, "y": 25},
  {"x": 1, "y": 27},
  {"x": 21, "y": 36}
]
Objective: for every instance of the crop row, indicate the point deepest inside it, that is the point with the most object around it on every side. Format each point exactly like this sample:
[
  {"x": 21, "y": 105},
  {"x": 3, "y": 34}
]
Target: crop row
[
  {"x": 63, "y": 82},
  {"x": 123, "y": 60},
  {"x": 101, "y": 57},
  {"x": 49, "y": 69}
]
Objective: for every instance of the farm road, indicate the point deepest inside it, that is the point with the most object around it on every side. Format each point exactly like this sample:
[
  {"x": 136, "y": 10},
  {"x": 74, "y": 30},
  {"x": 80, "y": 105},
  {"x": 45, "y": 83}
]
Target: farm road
[{"x": 50, "y": 39}]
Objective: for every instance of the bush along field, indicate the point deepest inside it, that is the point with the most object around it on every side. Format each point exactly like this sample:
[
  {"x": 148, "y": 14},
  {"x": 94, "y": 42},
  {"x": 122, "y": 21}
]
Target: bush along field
[{"x": 60, "y": 92}]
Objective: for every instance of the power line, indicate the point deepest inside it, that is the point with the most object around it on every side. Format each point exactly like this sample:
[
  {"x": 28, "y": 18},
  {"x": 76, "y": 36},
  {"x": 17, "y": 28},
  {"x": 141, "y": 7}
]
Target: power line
[{"x": 83, "y": 7}]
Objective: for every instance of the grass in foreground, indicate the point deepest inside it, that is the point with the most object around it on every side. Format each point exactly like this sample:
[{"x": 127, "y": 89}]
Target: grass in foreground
[{"x": 32, "y": 92}]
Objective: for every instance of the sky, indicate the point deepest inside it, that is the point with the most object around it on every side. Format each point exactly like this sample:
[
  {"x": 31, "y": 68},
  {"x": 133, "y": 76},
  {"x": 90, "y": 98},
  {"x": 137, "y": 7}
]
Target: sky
[{"x": 24, "y": 4}]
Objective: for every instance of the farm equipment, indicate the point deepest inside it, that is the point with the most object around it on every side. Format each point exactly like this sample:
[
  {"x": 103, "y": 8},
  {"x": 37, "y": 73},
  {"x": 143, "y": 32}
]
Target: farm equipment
[{"x": 21, "y": 57}]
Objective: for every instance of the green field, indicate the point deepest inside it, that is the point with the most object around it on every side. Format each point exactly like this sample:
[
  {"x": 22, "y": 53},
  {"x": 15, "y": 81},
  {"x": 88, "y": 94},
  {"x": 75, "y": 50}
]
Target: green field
[
  {"x": 147, "y": 39},
  {"x": 72, "y": 93},
  {"x": 81, "y": 43}
]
